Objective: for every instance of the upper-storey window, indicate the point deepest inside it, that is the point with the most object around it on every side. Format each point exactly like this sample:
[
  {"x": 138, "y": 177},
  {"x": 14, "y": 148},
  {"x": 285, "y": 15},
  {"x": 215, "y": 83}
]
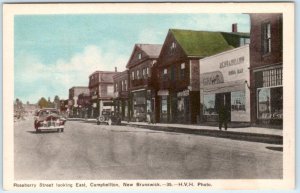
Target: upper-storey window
[
  {"x": 132, "y": 75},
  {"x": 182, "y": 70},
  {"x": 266, "y": 38},
  {"x": 165, "y": 74},
  {"x": 173, "y": 48},
  {"x": 140, "y": 56}
]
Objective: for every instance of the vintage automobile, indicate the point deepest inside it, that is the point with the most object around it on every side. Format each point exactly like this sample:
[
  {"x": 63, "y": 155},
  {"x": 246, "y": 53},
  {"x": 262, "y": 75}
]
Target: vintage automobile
[
  {"x": 49, "y": 119},
  {"x": 109, "y": 118}
]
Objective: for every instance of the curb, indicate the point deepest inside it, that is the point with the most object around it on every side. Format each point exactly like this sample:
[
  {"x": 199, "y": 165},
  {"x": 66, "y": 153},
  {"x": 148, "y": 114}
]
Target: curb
[{"x": 234, "y": 135}]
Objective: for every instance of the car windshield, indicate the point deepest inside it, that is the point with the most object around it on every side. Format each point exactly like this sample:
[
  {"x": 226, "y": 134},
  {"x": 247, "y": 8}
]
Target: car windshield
[
  {"x": 105, "y": 112},
  {"x": 48, "y": 112}
]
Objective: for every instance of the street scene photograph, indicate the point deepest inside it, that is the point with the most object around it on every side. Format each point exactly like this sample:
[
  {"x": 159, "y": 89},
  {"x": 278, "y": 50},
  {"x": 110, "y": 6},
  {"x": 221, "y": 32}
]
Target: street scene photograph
[{"x": 143, "y": 96}]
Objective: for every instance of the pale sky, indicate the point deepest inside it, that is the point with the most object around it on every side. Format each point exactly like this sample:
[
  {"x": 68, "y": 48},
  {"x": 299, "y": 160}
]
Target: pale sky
[{"x": 56, "y": 52}]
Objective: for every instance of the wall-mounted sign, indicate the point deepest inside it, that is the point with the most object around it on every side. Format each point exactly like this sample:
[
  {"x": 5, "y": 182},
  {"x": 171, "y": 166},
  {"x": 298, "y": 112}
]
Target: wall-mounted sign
[
  {"x": 183, "y": 93},
  {"x": 232, "y": 62}
]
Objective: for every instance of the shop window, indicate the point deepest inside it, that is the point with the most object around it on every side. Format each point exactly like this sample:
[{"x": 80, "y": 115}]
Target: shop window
[
  {"x": 238, "y": 101},
  {"x": 209, "y": 107},
  {"x": 164, "y": 105},
  {"x": 266, "y": 38},
  {"x": 270, "y": 103}
]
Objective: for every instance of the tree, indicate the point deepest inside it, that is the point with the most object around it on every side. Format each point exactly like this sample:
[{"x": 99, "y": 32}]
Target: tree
[
  {"x": 43, "y": 103},
  {"x": 56, "y": 102}
]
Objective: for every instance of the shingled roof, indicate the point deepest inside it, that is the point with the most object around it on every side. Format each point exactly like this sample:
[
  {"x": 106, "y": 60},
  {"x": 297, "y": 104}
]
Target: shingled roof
[
  {"x": 152, "y": 50},
  {"x": 206, "y": 43}
]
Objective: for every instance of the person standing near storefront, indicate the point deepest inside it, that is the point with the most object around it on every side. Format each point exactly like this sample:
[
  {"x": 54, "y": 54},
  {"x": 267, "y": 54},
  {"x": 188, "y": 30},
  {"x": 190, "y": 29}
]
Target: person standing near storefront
[{"x": 223, "y": 116}]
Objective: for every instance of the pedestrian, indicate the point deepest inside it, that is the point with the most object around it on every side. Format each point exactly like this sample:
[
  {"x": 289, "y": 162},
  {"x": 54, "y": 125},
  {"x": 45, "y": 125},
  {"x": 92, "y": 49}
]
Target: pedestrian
[{"x": 223, "y": 117}]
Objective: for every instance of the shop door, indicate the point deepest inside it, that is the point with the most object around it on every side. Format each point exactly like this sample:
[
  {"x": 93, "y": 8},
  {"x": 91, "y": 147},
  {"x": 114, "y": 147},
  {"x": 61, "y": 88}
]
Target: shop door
[{"x": 224, "y": 99}]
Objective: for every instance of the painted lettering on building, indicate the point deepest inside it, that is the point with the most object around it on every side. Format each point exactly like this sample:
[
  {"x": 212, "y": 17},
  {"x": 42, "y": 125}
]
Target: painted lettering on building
[{"x": 232, "y": 62}]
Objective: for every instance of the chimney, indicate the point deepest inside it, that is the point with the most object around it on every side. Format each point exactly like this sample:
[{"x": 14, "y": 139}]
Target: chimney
[
  {"x": 116, "y": 70},
  {"x": 234, "y": 27}
]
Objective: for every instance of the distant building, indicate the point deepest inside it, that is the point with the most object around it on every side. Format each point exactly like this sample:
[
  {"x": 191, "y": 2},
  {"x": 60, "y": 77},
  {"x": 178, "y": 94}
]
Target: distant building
[
  {"x": 121, "y": 94},
  {"x": 266, "y": 68},
  {"x": 101, "y": 89},
  {"x": 142, "y": 93},
  {"x": 178, "y": 70},
  {"x": 74, "y": 92}
]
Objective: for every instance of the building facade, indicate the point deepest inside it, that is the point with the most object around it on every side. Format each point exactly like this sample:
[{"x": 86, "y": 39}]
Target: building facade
[
  {"x": 74, "y": 92},
  {"x": 121, "y": 95},
  {"x": 223, "y": 82},
  {"x": 101, "y": 90},
  {"x": 142, "y": 92},
  {"x": 178, "y": 92},
  {"x": 266, "y": 69}
]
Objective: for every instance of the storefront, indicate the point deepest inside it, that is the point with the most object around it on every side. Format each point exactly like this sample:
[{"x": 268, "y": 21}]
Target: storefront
[
  {"x": 224, "y": 81},
  {"x": 269, "y": 95},
  {"x": 141, "y": 105}
]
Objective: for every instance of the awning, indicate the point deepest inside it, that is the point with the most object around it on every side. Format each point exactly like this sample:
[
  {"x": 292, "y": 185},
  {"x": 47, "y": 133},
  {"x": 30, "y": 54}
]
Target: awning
[
  {"x": 163, "y": 93},
  {"x": 225, "y": 87}
]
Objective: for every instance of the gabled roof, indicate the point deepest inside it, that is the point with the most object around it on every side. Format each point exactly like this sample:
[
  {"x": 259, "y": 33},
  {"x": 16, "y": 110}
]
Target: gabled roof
[
  {"x": 151, "y": 50},
  {"x": 205, "y": 43}
]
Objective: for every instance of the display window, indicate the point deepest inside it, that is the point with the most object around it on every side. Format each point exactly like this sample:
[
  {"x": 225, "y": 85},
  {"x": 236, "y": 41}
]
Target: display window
[
  {"x": 209, "y": 104},
  {"x": 238, "y": 101},
  {"x": 270, "y": 103}
]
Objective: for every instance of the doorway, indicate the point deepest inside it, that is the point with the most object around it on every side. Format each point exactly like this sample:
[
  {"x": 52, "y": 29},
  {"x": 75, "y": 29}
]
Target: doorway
[{"x": 224, "y": 99}]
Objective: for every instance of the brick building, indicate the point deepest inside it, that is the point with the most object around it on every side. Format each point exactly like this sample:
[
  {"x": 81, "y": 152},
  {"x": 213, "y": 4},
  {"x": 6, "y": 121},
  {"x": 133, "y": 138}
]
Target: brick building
[
  {"x": 121, "y": 94},
  {"x": 142, "y": 95},
  {"x": 178, "y": 95},
  {"x": 101, "y": 89},
  {"x": 266, "y": 69}
]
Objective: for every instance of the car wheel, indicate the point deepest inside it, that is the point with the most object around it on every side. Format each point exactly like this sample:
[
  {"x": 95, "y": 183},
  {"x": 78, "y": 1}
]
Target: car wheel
[{"x": 62, "y": 130}]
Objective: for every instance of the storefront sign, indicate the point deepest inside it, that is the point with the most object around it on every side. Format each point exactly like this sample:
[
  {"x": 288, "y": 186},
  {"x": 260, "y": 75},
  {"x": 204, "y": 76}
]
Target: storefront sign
[
  {"x": 163, "y": 93},
  {"x": 232, "y": 62},
  {"x": 183, "y": 93}
]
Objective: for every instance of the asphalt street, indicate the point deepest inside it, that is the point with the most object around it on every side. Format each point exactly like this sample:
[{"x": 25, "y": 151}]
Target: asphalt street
[{"x": 96, "y": 152}]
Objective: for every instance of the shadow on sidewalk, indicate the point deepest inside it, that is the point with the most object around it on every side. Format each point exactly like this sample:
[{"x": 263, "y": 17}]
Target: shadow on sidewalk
[{"x": 243, "y": 136}]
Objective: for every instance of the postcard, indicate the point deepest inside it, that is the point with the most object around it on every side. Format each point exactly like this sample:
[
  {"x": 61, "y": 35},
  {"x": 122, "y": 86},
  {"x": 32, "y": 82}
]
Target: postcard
[{"x": 132, "y": 96}]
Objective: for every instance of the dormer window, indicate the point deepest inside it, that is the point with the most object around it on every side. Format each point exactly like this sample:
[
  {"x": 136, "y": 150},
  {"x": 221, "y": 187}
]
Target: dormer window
[{"x": 140, "y": 56}]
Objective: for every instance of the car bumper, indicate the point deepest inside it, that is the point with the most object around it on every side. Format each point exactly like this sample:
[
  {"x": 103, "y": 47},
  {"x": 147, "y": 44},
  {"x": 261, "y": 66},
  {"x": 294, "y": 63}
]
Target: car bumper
[{"x": 51, "y": 127}]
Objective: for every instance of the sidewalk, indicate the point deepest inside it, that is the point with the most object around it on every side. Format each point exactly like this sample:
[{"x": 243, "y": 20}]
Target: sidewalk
[{"x": 255, "y": 134}]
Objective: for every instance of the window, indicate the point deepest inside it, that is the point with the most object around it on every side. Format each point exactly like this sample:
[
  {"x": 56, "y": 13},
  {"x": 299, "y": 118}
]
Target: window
[
  {"x": 138, "y": 74},
  {"x": 144, "y": 72},
  {"x": 147, "y": 72},
  {"x": 182, "y": 71},
  {"x": 272, "y": 77},
  {"x": 126, "y": 85},
  {"x": 173, "y": 48},
  {"x": 110, "y": 90},
  {"x": 165, "y": 71},
  {"x": 238, "y": 101},
  {"x": 132, "y": 75},
  {"x": 266, "y": 38},
  {"x": 140, "y": 56},
  {"x": 116, "y": 87},
  {"x": 209, "y": 106},
  {"x": 165, "y": 74},
  {"x": 270, "y": 103}
]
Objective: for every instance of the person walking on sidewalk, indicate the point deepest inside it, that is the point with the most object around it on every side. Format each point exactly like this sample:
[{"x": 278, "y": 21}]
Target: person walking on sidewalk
[{"x": 223, "y": 117}]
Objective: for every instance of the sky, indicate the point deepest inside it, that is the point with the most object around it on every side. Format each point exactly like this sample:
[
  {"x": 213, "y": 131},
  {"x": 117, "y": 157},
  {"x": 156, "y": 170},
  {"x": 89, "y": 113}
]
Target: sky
[{"x": 53, "y": 53}]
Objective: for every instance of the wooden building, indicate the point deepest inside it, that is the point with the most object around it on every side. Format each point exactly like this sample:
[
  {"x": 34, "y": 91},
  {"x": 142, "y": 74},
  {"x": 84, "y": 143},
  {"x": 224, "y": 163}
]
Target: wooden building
[
  {"x": 178, "y": 92},
  {"x": 142, "y": 95}
]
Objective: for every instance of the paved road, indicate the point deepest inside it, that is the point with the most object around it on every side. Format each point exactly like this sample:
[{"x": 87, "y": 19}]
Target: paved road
[{"x": 90, "y": 151}]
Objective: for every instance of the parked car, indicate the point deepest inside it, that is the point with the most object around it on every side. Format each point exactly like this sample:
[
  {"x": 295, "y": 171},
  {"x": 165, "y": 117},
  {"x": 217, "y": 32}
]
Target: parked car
[
  {"x": 109, "y": 118},
  {"x": 49, "y": 119}
]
